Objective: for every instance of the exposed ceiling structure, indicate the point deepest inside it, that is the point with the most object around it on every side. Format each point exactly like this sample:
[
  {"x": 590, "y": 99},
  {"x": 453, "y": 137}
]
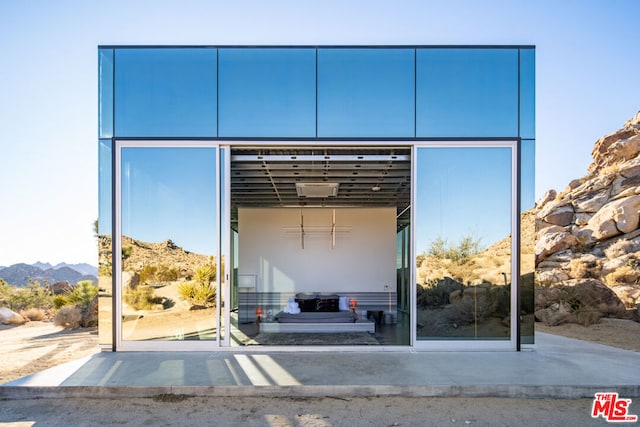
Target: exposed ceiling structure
[{"x": 321, "y": 176}]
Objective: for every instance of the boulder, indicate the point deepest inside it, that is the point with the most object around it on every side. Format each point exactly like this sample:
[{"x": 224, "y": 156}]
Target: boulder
[
  {"x": 554, "y": 315},
  {"x": 552, "y": 240},
  {"x": 10, "y": 317},
  {"x": 601, "y": 152},
  {"x": 562, "y": 216},
  {"x": 90, "y": 317},
  {"x": 592, "y": 293},
  {"x": 616, "y": 217},
  {"x": 546, "y": 198},
  {"x": 551, "y": 276},
  {"x": 60, "y": 288},
  {"x": 591, "y": 202}
]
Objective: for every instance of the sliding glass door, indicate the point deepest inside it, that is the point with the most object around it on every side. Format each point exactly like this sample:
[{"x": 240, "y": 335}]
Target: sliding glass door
[
  {"x": 464, "y": 245},
  {"x": 167, "y": 235}
]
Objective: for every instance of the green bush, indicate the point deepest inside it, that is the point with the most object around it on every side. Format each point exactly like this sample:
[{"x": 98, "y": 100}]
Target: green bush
[
  {"x": 81, "y": 296},
  {"x": 61, "y": 300},
  {"x": 83, "y": 293},
  {"x": 32, "y": 296},
  {"x": 126, "y": 252}
]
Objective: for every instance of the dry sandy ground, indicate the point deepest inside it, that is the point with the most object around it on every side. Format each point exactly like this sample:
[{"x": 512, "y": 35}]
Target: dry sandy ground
[
  {"x": 318, "y": 412},
  {"x": 36, "y": 346},
  {"x": 40, "y": 345}
]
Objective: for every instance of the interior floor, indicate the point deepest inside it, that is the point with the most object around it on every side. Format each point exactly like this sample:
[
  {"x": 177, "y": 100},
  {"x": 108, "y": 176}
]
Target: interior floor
[{"x": 398, "y": 333}]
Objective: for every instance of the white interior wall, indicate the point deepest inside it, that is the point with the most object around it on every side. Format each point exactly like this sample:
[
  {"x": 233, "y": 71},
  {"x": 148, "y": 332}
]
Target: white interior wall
[{"x": 363, "y": 259}]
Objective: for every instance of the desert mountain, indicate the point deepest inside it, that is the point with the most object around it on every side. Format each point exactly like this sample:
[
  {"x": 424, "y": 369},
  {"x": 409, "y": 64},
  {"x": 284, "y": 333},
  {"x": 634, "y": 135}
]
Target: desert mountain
[
  {"x": 588, "y": 240},
  {"x": 138, "y": 254},
  {"x": 19, "y": 274}
]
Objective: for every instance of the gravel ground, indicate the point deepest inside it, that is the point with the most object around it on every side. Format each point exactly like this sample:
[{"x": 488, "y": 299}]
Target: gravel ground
[{"x": 173, "y": 410}]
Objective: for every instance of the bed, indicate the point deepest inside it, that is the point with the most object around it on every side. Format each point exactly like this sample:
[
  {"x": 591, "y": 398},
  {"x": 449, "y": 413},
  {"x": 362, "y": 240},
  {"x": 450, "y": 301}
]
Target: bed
[{"x": 319, "y": 313}]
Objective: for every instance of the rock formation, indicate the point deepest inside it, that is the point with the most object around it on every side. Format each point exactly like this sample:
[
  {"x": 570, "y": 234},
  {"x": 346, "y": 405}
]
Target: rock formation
[{"x": 588, "y": 237}]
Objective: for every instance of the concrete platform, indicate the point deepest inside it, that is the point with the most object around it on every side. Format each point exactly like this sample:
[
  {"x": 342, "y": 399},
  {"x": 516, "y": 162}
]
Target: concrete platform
[{"x": 557, "y": 368}]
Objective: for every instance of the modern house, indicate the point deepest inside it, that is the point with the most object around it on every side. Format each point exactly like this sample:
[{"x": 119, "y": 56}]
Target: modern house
[{"x": 316, "y": 197}]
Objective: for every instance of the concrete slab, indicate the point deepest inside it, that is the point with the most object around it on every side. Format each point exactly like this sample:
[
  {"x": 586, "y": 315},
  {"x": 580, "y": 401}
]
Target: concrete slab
[{"x": 557, "y": 368}]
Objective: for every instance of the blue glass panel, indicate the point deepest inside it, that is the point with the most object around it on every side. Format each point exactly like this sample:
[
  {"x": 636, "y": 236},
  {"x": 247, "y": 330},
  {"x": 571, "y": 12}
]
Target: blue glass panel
[
  {"x": 527, "y": 173},
  {"x": 463, "y": 205},
  {"x": 527, "y": 93},
  {"x": 104, "y": 187},
  {"x": 180, "y": 205},
  {"x": 105, "y": 93},
  {"x": 467, "y": 93},
  {"x": 267, "y": 92},
  {"x": 166, "y": 92},
  {"x": 366, "y": 92}
]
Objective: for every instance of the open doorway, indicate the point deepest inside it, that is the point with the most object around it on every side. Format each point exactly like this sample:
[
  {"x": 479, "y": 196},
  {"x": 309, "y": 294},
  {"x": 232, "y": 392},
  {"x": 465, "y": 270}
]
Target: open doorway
[{"x": 320, "y": 245}]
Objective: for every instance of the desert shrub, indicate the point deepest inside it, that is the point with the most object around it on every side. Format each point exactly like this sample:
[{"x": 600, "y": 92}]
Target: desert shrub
[
  {"x": 459, "y": 252},
  {"x": 205, "y": 274},
  {"x": 34, "y": 314},
  {"x": 166, "y": 273},
  {"x": 83, "y": 293},
  {"x": 437, "y": 293},
  {"x": 197, "y": 293},
  {"x": 104, "y": 269},
  {"x": 5, "y": 292},
  {"x": 587, "y": 316},
  {"x": 625, "y": 274},
  {"x": 32, "y": 296},
  {"x": 126, "y": 251},
  {"x": 60, "y": 301},
  {"x": 148, "y": 274},
  {"x": 473, "y": 308},
  {"x": 68, "y": 317},
  {"x": 577, "y": 269},
  {"x": 140, "y": 298}
]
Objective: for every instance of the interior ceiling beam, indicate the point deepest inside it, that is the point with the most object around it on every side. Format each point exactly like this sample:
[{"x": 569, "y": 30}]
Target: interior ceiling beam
[
  {"x": 322, "y": 166},
  {"x": 320, "y": 158},
  {"x": 319, "y": 174}
]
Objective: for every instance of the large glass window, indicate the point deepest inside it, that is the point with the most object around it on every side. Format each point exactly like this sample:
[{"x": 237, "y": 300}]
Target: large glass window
[
  {"x": 169, "y": 244},
  {"x": 166, "y": 92},
  {"x": 467, "y": 93},
  {"x": 105, "y": 93},
  {"x": 463, "y": 243},
  {"x": 267, "y": 92},
  {"x": 527, "y": 93},
  {"x": 366, "y": 92}
]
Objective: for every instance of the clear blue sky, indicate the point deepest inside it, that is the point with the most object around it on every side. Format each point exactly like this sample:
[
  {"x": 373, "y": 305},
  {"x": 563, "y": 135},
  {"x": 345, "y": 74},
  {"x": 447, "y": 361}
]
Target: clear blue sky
[{"x": 587, "y": 84}]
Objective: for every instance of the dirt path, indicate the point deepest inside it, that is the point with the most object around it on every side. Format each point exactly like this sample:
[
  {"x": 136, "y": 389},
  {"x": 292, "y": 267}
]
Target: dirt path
[{"x": 36, "y": 346}]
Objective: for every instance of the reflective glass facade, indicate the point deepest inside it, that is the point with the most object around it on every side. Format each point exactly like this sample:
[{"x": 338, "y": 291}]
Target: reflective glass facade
[{"x": 431, "y": 151}]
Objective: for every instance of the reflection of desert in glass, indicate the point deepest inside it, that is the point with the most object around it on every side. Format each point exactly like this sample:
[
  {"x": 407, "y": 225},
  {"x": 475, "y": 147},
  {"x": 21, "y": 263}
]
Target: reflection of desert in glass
[
  {"x": 464, "y": 289},
  {"x": 168, "y": 293},
  {"x": 105, "y": 307}
]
